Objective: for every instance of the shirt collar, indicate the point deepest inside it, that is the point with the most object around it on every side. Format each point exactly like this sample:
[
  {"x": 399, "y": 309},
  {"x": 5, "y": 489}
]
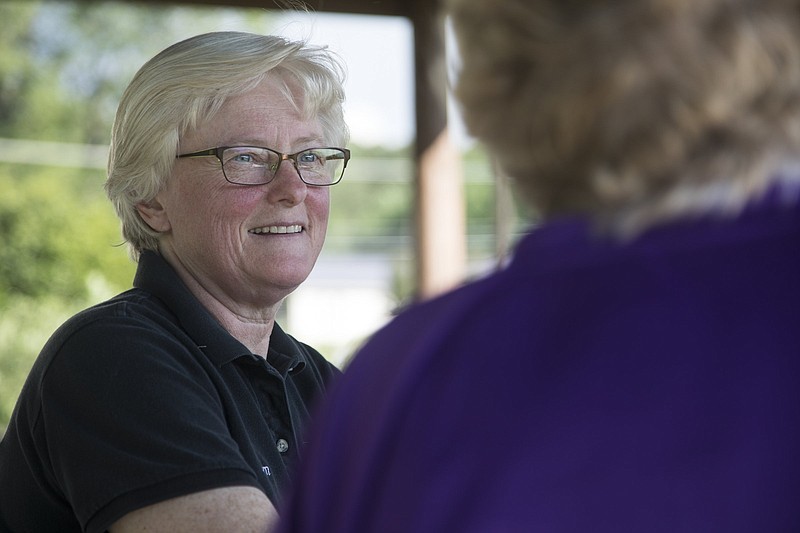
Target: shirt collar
[{"x": 156, "y": 276}]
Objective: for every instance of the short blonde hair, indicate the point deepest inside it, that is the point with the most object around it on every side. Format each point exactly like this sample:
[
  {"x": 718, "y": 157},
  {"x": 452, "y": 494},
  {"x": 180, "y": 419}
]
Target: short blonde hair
[
  {"x": 633, "y": 111},
  {"x": 185, "y": 85}
]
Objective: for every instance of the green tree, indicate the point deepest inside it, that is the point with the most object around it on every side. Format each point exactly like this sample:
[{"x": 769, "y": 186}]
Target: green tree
[{"x": 54, "y": 237}]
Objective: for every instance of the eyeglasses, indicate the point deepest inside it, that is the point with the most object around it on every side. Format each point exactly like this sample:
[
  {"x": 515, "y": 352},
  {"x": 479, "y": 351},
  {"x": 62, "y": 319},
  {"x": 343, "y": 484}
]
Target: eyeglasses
[{"x": 255, "y": 165}]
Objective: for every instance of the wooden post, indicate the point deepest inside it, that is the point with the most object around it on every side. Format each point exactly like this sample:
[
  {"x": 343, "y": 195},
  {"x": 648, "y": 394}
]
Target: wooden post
[{"x": 441, "y": 251}]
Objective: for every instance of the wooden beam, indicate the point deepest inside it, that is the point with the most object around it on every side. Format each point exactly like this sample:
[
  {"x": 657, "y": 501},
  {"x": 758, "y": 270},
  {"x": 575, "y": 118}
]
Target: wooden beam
[{"x": 398, "y": 8}]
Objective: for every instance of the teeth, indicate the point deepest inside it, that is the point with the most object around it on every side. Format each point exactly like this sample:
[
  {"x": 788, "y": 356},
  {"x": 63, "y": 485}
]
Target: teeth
[{"x": 296, "y": 228}]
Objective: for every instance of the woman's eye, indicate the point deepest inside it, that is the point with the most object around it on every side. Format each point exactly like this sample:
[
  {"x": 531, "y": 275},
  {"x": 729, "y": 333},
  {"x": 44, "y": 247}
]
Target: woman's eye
[
  {"x": 243, "y": 158},
  {"x": 308, "y": 158}
]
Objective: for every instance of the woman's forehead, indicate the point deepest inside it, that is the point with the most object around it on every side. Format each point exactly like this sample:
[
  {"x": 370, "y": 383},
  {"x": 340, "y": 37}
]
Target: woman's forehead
[{"x": 255, "y": 125}]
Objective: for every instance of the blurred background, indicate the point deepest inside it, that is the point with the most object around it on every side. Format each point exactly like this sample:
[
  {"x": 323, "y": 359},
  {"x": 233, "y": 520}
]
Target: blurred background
[{"x": 63, "y": 66}]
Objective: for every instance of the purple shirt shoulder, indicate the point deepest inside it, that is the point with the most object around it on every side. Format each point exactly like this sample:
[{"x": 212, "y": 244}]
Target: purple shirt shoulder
[{"x": 590, "y": 386}]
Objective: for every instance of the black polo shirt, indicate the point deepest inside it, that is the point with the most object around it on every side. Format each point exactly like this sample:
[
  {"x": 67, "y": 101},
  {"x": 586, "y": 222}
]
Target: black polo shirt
[{"x": 144, "y": 398}]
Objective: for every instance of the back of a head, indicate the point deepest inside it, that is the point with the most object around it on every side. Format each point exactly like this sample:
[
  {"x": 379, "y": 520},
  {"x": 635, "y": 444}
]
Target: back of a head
[{"x": 633, "y": 111}]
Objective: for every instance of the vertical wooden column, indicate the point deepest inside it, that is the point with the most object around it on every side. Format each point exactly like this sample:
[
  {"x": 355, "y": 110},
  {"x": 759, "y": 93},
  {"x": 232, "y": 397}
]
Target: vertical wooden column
[{"x": 441, "y": 251}]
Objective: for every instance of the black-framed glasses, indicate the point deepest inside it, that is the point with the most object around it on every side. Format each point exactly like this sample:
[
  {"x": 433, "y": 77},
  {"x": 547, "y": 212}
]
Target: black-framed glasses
[{"x": 256, "y": 165}]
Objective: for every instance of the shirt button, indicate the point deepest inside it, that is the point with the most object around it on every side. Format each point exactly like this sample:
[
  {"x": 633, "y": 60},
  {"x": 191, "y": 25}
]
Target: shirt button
[{"x": 282, "y": 445}]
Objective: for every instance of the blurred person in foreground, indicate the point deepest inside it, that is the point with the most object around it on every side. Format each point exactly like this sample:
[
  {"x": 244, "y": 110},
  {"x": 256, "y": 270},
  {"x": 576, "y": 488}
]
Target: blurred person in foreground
[
  {"x": 637, "y": 365},
  {"x": 179, "y": 405}
]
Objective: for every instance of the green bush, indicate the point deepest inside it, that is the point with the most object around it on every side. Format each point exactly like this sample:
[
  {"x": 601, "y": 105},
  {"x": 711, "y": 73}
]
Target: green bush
[{"x": 60, "y": 253}]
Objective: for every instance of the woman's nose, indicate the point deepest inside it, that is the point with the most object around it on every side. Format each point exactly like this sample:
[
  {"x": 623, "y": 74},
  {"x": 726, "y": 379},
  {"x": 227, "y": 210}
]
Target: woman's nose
[{"x": 287, "y": 185}]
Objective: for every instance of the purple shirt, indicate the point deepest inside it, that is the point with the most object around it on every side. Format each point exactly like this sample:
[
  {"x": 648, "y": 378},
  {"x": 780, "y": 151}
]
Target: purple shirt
[{"x": 590, "y": 386}]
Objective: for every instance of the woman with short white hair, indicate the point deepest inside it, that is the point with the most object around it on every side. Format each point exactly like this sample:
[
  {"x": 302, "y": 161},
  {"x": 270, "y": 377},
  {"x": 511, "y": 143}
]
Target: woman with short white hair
[{"x": 180, "y": 404}]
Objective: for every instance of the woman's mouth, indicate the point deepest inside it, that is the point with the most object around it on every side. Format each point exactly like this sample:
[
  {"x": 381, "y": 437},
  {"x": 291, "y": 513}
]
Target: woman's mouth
[{"x": 294, "y": 228}]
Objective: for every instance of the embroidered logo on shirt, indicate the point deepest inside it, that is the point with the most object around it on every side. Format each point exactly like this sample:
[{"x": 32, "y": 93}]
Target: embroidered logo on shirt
[{"x": 266, "y": 470}]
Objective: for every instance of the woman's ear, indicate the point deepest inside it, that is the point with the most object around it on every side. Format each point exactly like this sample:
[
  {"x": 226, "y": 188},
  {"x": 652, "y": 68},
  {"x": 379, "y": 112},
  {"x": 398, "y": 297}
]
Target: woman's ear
[{"x": 155, "y": 215}]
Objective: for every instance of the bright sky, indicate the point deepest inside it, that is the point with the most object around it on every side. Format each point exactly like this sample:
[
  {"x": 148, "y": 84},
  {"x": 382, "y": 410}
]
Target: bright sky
[{"x": 378, "y": 54}]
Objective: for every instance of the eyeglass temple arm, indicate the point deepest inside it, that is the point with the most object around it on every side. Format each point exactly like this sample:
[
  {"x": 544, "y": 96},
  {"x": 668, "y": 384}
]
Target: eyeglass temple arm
[{"x": 201, "y": 153}]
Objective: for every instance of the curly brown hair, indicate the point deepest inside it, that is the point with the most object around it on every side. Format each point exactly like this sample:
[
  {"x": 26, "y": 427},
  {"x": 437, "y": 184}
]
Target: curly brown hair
[{"x": 633, "y": 111}]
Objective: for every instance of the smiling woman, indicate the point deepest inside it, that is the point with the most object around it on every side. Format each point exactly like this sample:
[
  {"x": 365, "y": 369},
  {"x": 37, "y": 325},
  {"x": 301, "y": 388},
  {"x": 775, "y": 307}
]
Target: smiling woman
[
  {"x": 64, "y": 66},
  {"x": 186, "y": 389}
]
